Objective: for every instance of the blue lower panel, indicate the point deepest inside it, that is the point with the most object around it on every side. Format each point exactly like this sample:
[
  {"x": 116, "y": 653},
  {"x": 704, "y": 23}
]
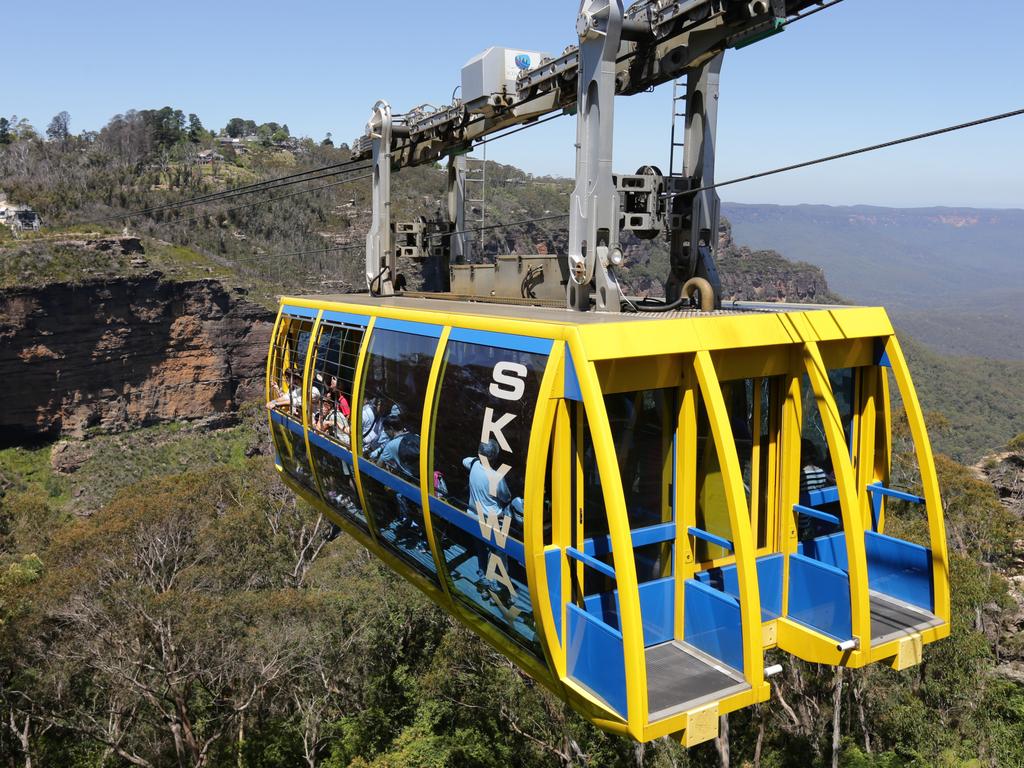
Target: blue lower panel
[
  {"x": 604, "y": 606},
  {"x": 830, "y": 550},
  {"x": 713, "y": 624},
  {"x": 819, "y": 597},
  {"x": 900, "y": 569},
  {"x": 595, "y": 657},
  {"x": 769, "y": 579},
  {"x": 657, "y": 610},
  {"x": 553, "y": 566}
]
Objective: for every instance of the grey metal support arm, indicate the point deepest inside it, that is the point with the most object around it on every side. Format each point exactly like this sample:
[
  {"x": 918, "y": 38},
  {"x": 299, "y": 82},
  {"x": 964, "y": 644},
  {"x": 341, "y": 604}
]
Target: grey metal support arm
[
  {"x": 694, "y": 244},
  {"x": 380, "y": 264},
  {"x": 594, "y": 204},
  {"x": 460, "y": 239}
]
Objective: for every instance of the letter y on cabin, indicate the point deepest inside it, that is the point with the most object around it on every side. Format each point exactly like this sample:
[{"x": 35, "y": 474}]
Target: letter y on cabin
[{"x": 508, "y": 383}]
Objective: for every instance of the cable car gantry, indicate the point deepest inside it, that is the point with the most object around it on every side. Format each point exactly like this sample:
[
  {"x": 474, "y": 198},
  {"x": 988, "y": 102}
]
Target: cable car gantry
[{"x": 632, "y": 505}]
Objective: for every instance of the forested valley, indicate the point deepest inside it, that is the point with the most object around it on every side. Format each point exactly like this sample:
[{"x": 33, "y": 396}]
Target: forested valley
[{"x": 165, "y": 601}]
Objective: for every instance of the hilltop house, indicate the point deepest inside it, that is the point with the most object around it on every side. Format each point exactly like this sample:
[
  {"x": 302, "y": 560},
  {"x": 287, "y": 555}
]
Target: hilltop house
[
  {"x": 20, "y": 218},
  {"x": 208, "y": 157}
]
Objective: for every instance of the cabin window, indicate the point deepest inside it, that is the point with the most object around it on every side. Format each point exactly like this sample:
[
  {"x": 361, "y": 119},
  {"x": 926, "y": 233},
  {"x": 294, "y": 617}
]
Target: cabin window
[
  {"x": 334, "y": 367},
  {"x": 817, "y": 474},
  {"x": 390, "y": 417},
  {"x": 643, "y": 428},
  {"x": 903, "y": 517},
  {"x": 712, "y": 513},
  {"x": 590, "y": 527},
  {"x": 291, "y": 345},
  {"x": 484, "y": 413},
  {"x": 752, "y": 406}
]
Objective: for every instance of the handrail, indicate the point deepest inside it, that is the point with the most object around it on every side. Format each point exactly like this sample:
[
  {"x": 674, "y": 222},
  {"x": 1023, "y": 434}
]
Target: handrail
[
  {"x": 593, "y": 562},
  {"x": 902, "y": 495},
  {"x": 652, "y": 534},
  {"x": 817, "y": 514},
  {"x": 711, "y": 538}
]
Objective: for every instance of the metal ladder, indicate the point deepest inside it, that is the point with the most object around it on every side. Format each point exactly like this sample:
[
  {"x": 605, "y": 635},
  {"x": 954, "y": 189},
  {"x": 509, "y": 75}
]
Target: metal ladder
[
  {"x": 476, "y": 198},
  {"x": 678, "y": 129}
]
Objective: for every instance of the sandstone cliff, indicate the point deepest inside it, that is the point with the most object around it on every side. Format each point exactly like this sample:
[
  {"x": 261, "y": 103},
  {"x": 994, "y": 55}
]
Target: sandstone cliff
[
  {"x": 124, "y": 352},
  {"x": 766, "y": 275}
]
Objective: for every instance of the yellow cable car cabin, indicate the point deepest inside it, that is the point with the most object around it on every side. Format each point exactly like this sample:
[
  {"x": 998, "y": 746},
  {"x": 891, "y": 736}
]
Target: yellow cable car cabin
[{"x": 632, "y": 507}]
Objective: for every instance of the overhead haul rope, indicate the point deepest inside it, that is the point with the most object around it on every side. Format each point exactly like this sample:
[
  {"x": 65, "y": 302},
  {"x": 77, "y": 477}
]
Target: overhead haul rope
[
  {"x": 853, "y": 152},
  {"x": 278, "y": 197},
  {"x": 762, "y": 174}
]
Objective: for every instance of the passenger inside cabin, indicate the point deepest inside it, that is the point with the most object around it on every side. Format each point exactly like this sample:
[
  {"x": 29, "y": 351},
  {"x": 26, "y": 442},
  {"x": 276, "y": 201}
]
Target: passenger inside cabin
[
  {"x": 331, "y": 421},
  {"x": 401, "y": 457},
  {"x": 371, "y": 425},
  {"x": 290, "y": 398},
  {"x": 812, "y": 478},
  {"x": 491, "y": 500}
]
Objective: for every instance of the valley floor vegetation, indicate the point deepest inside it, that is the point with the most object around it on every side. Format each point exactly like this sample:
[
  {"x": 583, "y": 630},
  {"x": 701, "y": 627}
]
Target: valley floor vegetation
[{"x": 191, "y": 612}]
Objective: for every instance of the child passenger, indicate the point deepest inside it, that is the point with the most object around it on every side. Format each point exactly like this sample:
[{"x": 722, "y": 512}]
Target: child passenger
[{"x": 332, "y": 422}]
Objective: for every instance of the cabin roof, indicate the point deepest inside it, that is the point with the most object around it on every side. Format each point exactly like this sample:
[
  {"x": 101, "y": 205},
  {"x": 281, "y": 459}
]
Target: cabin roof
[
  {"x": 606, "y": 336},
  {"x": 560, "y": 315}
]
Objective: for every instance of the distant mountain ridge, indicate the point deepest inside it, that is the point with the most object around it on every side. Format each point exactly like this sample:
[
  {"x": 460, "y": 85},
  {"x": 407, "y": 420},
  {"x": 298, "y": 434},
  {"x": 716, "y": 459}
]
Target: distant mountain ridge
[{"x": 952, "y": 277}]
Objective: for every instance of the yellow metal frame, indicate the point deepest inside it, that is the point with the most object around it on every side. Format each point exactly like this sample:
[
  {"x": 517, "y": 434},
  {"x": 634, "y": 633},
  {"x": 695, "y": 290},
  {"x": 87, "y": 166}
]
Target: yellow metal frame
[
  {"x": 612, "y": 357},
  {"x": 929, "y": 481}
]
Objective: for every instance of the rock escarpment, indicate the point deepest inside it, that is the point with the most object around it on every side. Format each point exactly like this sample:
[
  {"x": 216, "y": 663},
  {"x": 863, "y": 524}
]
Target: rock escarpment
[
  {"x": 766, "y": 275},
  {"x": 119, "y": 353}
]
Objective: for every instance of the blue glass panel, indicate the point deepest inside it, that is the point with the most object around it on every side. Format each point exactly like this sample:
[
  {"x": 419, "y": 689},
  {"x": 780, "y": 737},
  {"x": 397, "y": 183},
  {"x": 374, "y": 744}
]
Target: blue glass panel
[
  {"x": 881, "y": 356},
  {"x": 595, "y": 657},
  {"x": 404, "y": 326},
  {"x": 900, "y": 569},
  {"x": 296, "y": 311},
  {"x": 502, "y": 340},
  {"x": 572, "y": 384},
  {"x": 483, "y": 417},
  {"x": 713, "y": 624},
  {"x": 344, "y": 317},
  {"x": 389, "y": 416},
  {"x": 657, "y": 609},
  {"x": 604, "y": 606},
  {"x": 819, "y": 597},
  {"x": 769, "y": 582},
  {"x": 769, "y": 578}
]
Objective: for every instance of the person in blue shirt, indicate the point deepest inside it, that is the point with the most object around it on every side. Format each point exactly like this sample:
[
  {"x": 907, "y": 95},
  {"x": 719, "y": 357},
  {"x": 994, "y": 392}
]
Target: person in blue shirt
[
  {"x": 480, "y": 496},
  {"x": 496, "y": 504}
]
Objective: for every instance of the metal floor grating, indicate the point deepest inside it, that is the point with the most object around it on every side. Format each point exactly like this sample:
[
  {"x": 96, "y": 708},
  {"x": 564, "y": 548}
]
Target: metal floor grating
[
  {"x": 680, "y": 677},
  {"x": 891, "y": 619}
]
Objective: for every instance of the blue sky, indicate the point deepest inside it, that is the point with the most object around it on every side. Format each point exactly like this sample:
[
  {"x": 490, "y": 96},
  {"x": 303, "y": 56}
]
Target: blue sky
[{"x": 862, "y": 72}]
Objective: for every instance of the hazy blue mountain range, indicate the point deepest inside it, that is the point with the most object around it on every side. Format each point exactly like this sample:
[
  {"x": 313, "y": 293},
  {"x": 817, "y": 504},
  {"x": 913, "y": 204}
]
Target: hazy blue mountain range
[{"x": 951, "y": 277}]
